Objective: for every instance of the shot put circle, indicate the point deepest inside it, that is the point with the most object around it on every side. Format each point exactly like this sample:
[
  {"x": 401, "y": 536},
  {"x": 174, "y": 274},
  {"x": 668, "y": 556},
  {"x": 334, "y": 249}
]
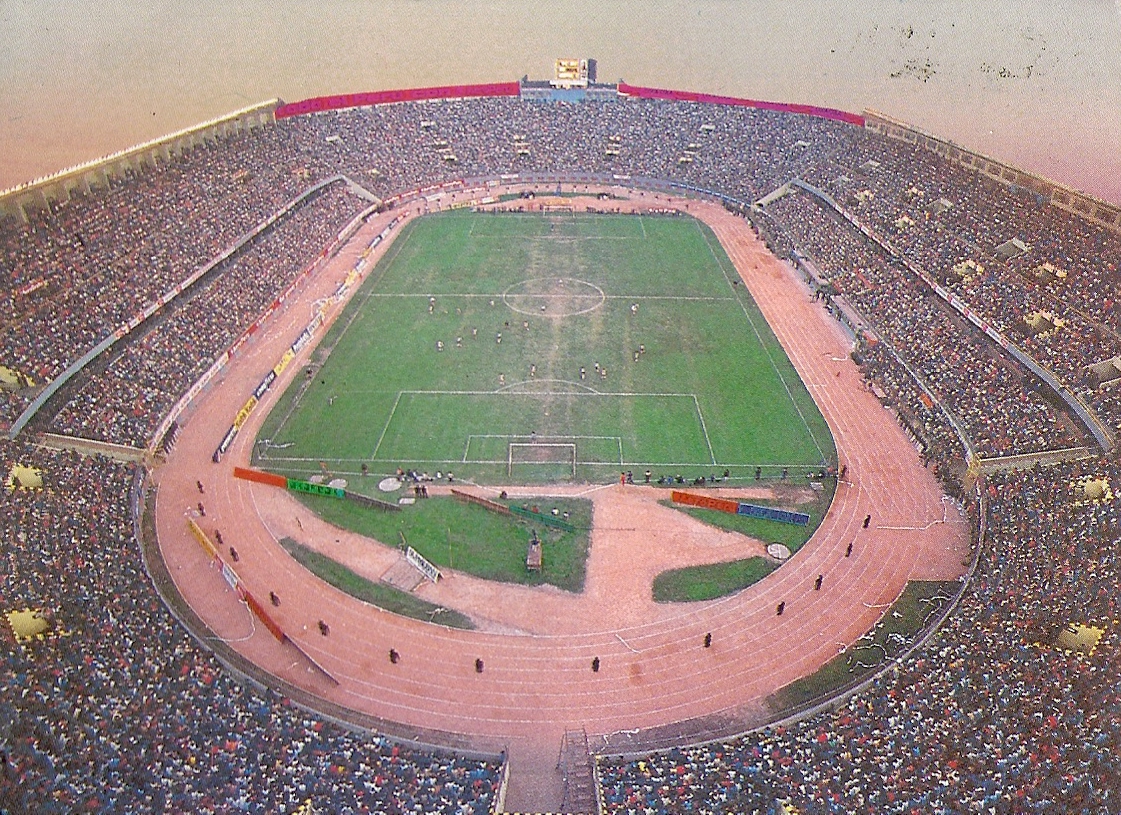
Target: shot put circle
[
  {"x": 553, "y": 297},
  {"x": 390, "y": 484}
]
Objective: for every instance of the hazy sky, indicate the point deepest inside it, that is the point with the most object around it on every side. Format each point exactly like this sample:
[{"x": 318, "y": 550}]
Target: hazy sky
[{"x": 1034, "y": 83}]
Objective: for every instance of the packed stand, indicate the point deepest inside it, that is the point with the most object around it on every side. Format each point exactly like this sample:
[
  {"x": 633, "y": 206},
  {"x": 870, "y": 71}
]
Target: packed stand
[
  {"x": 117, "y": 709},
  {"x": 997, "y": 402},
  {"x": 124, "y": 403},
  {"x": 1055, "y": 294},
  {"x": 82, "y": 269},
  {"x": 396, "y": 148}
]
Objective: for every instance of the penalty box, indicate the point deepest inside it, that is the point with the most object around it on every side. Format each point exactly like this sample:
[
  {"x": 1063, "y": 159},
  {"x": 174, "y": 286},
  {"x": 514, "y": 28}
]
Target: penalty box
[{"x": 607, "y": 428}]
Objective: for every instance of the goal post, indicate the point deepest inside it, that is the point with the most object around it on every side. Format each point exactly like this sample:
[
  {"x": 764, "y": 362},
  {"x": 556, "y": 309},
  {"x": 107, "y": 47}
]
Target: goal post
[{"x": 546, "y": 457}]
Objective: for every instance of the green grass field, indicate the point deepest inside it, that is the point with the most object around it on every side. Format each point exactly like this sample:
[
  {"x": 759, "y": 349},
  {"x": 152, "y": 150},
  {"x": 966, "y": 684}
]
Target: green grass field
[
  {"x": 694, "y": 583},
  {"x": 463, "y": 351},
  {"x": 376, "y": 594},
  {"x": 473, "y": 540}
]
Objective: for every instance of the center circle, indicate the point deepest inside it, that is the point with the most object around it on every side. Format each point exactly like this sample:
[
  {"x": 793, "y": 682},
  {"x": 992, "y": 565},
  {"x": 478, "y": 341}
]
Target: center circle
[{"x": 553, "y": 297}]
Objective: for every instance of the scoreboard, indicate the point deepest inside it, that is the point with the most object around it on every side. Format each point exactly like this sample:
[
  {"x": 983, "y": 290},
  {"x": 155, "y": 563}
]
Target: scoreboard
[{"x": 573, "y": 73}]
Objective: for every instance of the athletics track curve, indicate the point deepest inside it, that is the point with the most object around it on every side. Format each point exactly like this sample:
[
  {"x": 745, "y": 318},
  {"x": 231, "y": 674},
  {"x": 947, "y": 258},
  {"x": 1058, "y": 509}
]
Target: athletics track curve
[{"x": 537, "y": 644}]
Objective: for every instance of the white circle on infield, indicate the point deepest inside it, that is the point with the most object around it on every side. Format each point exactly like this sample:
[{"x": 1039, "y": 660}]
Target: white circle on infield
[
  {"x": 594, "y": 297},
  {"x": 390, "y": 484},
  {"x": 778, "y": 551}
]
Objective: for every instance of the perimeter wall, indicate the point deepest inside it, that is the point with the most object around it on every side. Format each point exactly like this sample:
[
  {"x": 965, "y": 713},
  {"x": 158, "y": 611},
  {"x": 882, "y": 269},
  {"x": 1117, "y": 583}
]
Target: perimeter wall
[
  {"x": 317, "y": 104},
  {"x": 710, "y": 99}
]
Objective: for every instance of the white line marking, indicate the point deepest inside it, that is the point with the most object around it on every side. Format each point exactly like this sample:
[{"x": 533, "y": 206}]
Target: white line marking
[
  {"x": 704, "y": 429},
  {"x": 384, "y": 430},
  {"x": 763, "y": 344},
  {"x": 468, "y": 295},
  {"x": 627, "y": 644}
]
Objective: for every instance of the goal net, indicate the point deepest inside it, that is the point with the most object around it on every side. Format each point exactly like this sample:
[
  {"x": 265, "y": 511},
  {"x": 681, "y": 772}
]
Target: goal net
[{"x": 541, "y": 460}]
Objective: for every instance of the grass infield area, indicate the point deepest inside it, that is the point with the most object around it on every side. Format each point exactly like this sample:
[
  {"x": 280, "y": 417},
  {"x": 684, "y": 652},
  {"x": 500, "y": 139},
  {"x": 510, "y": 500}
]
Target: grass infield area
[
  {"x": 710, "y": 581},
  {"x": 470, "y": 539},
  {"x": 534, "y": 348},
  {"x": 910, "y": 614},
  {"x": 376, "y": 594},
  {"x": 713, "y": 580}
]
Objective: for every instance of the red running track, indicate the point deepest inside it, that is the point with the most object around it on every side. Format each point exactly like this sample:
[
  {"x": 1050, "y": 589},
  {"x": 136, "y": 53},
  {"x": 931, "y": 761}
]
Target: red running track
[{"x": 537, "y": 644}]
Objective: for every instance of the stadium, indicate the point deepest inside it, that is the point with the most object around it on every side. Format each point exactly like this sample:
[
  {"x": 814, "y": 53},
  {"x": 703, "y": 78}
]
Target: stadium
[{"x": 951, "y": 319}]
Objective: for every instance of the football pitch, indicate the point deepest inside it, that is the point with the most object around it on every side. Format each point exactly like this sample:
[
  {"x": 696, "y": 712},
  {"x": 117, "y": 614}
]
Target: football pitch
[{"x": 526, "y": 348}]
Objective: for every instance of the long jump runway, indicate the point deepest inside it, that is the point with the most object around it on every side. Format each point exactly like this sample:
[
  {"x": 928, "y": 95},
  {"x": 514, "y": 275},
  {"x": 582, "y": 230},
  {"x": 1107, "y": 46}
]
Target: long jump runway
[{"x": 537, "y": 644}]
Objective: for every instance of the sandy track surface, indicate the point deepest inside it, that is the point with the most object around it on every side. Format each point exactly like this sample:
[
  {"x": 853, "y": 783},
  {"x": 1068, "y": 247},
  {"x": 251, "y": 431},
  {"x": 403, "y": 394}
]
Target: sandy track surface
[{"x": 537, "y": 644}]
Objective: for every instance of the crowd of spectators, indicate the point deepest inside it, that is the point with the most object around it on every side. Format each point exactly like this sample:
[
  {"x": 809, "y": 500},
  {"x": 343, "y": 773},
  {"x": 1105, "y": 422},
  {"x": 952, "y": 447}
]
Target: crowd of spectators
[
  {"x": 997, "y": 402},
  {"x": 401, "y": 147},
  {"x": 83, "y": 268},
  {"x": 987, "y": 716},
  {"x": 942, "y": 215},
  {"x": 117, "y": 709},
  {"x": 124, "y": 403}
]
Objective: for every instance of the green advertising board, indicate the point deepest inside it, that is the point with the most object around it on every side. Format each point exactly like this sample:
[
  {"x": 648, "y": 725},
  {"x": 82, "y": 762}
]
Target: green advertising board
[{"x": 296, "y": 485}]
